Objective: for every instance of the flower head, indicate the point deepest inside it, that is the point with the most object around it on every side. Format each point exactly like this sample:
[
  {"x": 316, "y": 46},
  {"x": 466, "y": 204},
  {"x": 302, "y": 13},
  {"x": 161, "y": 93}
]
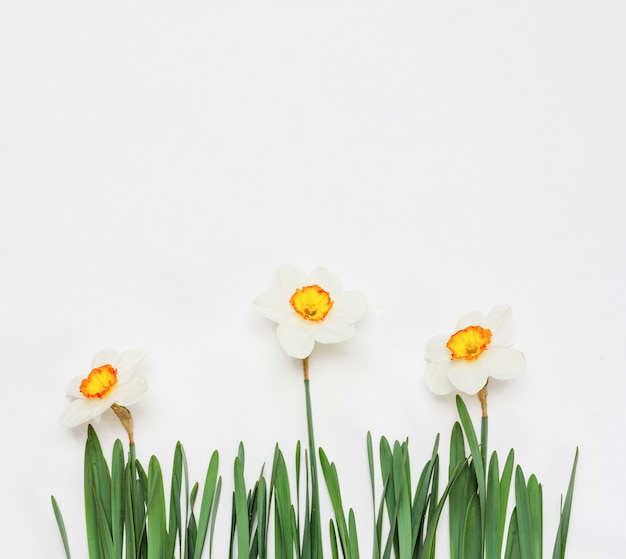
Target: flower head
[
  {"x": 466, "y": 359},
  {"x": 310, "y": 308},
  {"x": 111, "y": 381}
]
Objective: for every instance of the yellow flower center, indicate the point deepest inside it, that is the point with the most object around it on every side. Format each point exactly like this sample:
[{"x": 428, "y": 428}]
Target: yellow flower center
[
  {"x": 469, "y": 343},
  {"x": 311, "y": 303},
  {"x": 99, "y": 382}
]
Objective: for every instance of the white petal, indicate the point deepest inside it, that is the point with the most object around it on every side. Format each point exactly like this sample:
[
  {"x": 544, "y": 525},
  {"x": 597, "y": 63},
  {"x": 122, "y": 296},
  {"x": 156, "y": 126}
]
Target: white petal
[
  {"x": 296, "y": 338},
  {"x": 468, "y": 377},
  {"x": 73, "y": 390},
  {"x": 274, "y": 304},
  {"x": 128, "y": 393},
  {"x": 126, "y": 363},
  {"x": 473, "y": 318},
  {"x": 349, "y": 307},
  {"x": 436, "y": 377},
  {"x": 326, "y": 280},
  {"x": 83, "y": 410},
  {"x": 289, "y": 277},
  {"x": 104, "y": 357},
  {"x": 503, "y": 363},
  {"x": 333, "y": 331},
  {"x": 499, "y": 321},
  {"x": 436, "y": 349}
]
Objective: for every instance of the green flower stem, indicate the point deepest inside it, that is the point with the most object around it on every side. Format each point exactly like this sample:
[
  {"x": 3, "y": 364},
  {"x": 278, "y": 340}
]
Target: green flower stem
[
  {"x": 484, "y": 423},
  {"x": 316, "y": 529}
]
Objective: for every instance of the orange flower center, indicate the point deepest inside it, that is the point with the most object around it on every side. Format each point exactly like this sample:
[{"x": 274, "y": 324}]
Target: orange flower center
[
  {"x": 311, "y": 303},
  {"x": 99, "y": 382},
  {"x": 469, "y": 343}
]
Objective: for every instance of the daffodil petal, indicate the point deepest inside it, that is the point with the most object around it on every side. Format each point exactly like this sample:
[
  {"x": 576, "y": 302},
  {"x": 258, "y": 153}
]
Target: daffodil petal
[
  {"x": 436, "y": 349},
  {"x": 499, "y": 321},
  {"x": 333, "y": 331},
  {"x": 274, "y": 305},
  {"x": 73, "y": 390},
  {"x": 297, "y": 338},
  {"x": 126, "y": 363},
  {"x": 84, "y": 410},
  {"x": 129, "y": 392},
  {"x": 326, "y": 280},
  {"x": 436, "y": 377},
  {"x": 467, "y": 377},
  {"x": 503, "y": 363},
  {"x": 473, "y": 318},
  {"x": 350, "y": 306},
  {"x": 289, "y": 277},
  {"x": 104, "y": 357}
]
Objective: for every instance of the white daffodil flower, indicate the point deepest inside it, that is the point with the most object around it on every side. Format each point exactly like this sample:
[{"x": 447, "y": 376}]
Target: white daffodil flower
[
  {"x": 466, "y": 359},
  {"x": 310, "y": 308},
  {"x": 111, "y": 381}
]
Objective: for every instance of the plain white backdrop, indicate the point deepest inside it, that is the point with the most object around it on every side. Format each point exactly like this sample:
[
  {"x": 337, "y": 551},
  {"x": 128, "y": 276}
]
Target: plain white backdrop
[{"x": 159, "y": 161}]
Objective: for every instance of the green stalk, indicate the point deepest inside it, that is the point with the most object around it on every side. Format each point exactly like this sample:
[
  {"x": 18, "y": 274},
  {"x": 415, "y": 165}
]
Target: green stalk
[{"x": 316, "y": 528}]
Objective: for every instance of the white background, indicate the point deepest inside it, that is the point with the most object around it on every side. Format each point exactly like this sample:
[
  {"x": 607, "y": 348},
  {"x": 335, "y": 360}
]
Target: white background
[{"x": 159, "y": 160}]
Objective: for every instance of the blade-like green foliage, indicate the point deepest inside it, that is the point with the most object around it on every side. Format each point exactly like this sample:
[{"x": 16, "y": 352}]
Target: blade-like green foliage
[
  {"x": 561, "y": 537},
  {"x": 59, "y": 518}
]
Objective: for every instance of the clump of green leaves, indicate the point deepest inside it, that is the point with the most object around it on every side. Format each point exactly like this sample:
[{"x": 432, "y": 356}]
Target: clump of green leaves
[
  {"x": 125, "y": 509},
  {"x": 478, "y": 501}
]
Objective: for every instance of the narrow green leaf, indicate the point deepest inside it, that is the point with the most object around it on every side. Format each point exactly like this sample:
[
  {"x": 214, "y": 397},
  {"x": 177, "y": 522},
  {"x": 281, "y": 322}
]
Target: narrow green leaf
[
  {"x": 104, "y": 529},
  {"x": 493, "y": 535},
  {"x": 472, "y": 532},
  {"x": 92, "y": 446},
  {"x": 457, "y": 500},
  {"x": 370, "y": 461},
  {"x": 283, "y": 534},
  {"x": 61, "y": 525},
  {"x": 157, "y": 531},
  {"x": 129, "y": 518},
  {"x": 477, "y": 461},
  {"x": 333, "y": 541},
  {"x": 353, "y": 536},
  {"x": 206, "y": 507},
  {"x": 428, "y": 550},
  {"x": 513, "y": 550},
  {"x": 505, "y": 487},
  {"x": 262, "y": 518},
  {"x": 176, "y": 526},
  {"x": 535, "y": 501},
  {"x": 524, "y": 522},
  {"x": 118, "y": 483},
  {"x": 332, "y": 483},
  {"x": 216, "y": 500},
  {"x": 403, "y": 500},
  {"x": 561, "y": 537},
  {"x": 241, "y": 510}
]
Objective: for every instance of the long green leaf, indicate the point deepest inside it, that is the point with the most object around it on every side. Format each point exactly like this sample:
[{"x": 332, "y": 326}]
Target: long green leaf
[
  {"x": 535, "y": 501},
  {"x": 472, "y": 532},
  {"x": 512, "y": 550},
  {"x": 561, "y": 537},
  {"x": 118, "y": 484},
  {"x": 332, "y": 483},
  {"x": 524, "y": 521},
  {"x": 241, "y": 512},
  {"x": 457, "y": 498},
  {"x": 157, "y": 531},
  {"x": 206, "y": 507},
  {"x": 477, "y": 460},
  {"x": 59, "y": 518},
  {"x": 493, "y": 535}
]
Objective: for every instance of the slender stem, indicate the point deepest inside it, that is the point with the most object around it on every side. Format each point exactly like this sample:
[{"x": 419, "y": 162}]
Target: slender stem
[
  {"x": 316, "y": 533},
  {"x": 484, "y": 433},
  {"x": 484, "y": 423}
]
